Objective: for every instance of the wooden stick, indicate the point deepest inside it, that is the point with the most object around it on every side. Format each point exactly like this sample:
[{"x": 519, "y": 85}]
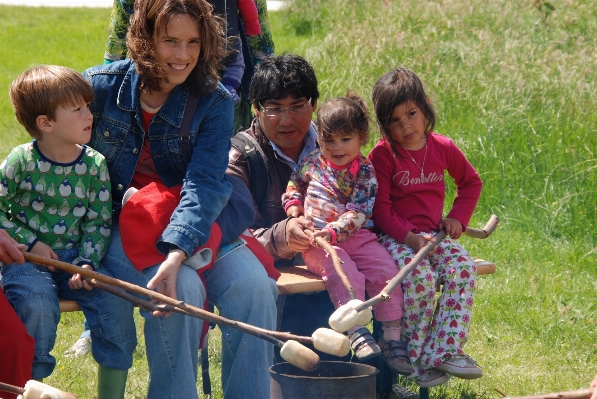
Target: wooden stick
[
  {"x": 384, "y": 295},
  {"x": 189, "y": 310},
  {"x": 274, "y": 337},
  {"x": 486, "y": 231},
  {"x": 578, "y": 394},
  {"x": 11, "y": 388},
  {"x": 336, "y": 261}
]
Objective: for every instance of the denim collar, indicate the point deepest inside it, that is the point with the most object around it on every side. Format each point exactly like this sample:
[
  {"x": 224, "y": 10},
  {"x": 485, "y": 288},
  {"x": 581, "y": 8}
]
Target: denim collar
[
  {"x": 129, "y": 97},
  {"x": 310, "y": 142}
]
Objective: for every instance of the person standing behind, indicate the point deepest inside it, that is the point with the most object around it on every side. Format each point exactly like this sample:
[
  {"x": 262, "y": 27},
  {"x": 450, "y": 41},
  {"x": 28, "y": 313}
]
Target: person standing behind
[
  {"x": 55, "y": 198},
  {"x": 17, "y": 345},
  {"x": 410, "y": 161},
  {"x": 335, "y": 188},
  {"x": 176, "y": 47}
]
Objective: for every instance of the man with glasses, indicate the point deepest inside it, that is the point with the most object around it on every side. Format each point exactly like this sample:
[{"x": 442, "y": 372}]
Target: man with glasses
[{"x": 284, "y": 96}]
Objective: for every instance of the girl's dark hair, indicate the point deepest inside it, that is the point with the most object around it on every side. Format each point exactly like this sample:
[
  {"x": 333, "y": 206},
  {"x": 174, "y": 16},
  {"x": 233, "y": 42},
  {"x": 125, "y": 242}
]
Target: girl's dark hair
[
  {"x": 151, "y": 16},
  {"x": 343, "y": 116},
  {"x": 394, "y": 88}
]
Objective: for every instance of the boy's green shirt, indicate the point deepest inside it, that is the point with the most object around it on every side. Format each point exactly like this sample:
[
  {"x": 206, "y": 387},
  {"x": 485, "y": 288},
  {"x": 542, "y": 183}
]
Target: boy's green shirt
[{"x": 61, "y": 205}]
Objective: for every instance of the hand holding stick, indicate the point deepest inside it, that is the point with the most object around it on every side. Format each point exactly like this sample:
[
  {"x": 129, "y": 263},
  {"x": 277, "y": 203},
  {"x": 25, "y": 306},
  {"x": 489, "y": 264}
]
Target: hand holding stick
[
  {"x": 335, "y": 260},
  {"x": 345, "y": 315},
  {"x": 384, "y": 295},
  {"x": 295, "y": 353}
]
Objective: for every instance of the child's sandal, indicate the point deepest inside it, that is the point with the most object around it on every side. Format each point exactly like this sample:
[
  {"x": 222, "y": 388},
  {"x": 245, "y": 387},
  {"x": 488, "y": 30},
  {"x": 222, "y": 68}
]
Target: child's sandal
[
  {"x": 363, "y": 344},
  {"x": 396, "y": 356}
]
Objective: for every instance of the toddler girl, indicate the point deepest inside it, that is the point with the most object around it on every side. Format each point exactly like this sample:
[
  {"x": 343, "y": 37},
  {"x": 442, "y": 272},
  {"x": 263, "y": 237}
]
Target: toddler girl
[
  {"x": 410, "y": 162},
  {"x": 335, "y": 188}
]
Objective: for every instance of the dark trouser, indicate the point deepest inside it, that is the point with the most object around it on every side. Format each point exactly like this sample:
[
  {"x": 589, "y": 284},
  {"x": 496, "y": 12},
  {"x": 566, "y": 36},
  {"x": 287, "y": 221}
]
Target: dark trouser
[{"x": 302, "y": 314}]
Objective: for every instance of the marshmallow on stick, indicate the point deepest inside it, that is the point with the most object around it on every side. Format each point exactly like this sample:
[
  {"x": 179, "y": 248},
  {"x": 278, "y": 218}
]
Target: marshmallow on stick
[
  {"x": 299, "y": 355},
  {"x": 38, "y": 390},
  {"x": 331, "y": 342},
  {"x": 346, "y": 317}
]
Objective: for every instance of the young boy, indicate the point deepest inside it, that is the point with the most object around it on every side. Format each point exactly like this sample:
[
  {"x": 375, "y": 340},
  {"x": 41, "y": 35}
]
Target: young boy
[{"x": 55, "y": 198}]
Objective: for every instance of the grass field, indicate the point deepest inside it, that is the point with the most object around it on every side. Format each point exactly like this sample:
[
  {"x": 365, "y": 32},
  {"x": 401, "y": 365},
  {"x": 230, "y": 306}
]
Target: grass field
[{"x": 514, "y": 84}]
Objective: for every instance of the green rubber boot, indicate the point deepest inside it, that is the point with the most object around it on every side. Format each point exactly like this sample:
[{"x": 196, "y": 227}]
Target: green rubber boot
[{"x": 111, "y": 383}]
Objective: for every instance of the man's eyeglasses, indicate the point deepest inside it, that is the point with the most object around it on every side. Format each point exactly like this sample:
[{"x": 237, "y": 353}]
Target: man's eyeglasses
[{"x": 273, "y": 112}]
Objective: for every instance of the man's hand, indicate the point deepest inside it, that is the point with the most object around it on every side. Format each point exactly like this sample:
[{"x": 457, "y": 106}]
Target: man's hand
[
  {"x": 77, "y": 282},
  {"x": 295, "y": 237},
  {"x": 10, "y": 250},
  {"x": 164, "y": 280},
  {"x": 42, "y": 249},
  {"x": 594, "y": 387},
  {"x": 452, "y": 226},
  {"x": 418, "y": 241}
]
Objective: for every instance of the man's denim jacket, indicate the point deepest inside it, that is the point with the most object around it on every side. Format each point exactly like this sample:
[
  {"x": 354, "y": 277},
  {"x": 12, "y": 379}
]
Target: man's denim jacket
[{"x": 118, "y": 135}]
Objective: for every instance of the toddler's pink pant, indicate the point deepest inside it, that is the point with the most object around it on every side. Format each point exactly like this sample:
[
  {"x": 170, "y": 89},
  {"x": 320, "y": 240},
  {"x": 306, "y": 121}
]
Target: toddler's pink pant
[{"x": 367, "y": 265}]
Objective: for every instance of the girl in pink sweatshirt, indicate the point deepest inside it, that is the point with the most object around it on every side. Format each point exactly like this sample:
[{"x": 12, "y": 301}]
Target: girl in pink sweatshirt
[{"x": 410, "y": 161}]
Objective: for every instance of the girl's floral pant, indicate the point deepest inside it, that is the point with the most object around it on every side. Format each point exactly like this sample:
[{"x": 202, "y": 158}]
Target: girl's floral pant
[{"x": 435, "y": 328}]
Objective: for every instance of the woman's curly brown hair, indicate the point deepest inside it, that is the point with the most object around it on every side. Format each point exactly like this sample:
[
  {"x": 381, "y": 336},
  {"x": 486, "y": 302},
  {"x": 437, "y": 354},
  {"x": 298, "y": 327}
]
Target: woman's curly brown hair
[{"x": 151, "y": 16}]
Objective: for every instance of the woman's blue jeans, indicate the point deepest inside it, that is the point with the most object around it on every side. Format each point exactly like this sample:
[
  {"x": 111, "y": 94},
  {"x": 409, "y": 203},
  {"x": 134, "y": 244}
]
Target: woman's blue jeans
[{"x": 240, "y": 288}]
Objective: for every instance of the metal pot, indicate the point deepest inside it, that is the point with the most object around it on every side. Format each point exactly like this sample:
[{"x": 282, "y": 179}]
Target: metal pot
[{"x": 339, "y": 380}]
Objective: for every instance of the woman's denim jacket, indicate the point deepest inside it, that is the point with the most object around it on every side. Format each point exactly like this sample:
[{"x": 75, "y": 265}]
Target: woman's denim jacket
[{"x": 118, "y": 135}]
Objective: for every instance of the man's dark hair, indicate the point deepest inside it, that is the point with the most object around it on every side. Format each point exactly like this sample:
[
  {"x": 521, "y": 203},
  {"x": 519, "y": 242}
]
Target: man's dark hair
[{"x": 279, "y": 77}]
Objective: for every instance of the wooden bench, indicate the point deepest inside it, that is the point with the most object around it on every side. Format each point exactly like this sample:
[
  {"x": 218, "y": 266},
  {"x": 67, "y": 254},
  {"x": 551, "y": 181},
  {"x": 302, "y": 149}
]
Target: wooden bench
[{"x": 297, "y": 279}]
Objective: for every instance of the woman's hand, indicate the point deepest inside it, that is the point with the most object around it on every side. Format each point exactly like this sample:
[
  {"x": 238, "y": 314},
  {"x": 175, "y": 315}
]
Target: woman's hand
[
  {"x": 77, "y": 282},
  {"x": 295, "y": 237},
  {"x": 164, "y": 280},
  {"x": 452, "y": 226},
  {"x": 418, "y": 241},
  {"x": 594, "y": 387},
  {"x": 295, "y": 211},
  {"x": 42, "y": 249},
  {"x": 10, "y": 250}
]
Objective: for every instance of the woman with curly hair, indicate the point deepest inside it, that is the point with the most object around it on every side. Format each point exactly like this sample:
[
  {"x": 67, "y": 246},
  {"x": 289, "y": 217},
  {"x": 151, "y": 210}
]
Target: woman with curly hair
[{"x": 163, "y": 118}]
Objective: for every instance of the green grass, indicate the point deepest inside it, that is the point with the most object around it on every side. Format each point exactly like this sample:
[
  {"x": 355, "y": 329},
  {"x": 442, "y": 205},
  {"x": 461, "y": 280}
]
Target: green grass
[{"x": 514, "y": 85}]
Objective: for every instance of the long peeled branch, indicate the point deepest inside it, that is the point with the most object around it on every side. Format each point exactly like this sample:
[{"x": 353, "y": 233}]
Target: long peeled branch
[
  {"x": 171, "y": 305},
  {"x": 11, "y": 388},
  {"x": 274, "y": 337},
  {"x": 384, "y": 295},
  {"x": 35, "y": 390},
  {"x": 303, "y": 357},
  {"x": 335, "y": 260},
  {"x": 578, "y": 394}
]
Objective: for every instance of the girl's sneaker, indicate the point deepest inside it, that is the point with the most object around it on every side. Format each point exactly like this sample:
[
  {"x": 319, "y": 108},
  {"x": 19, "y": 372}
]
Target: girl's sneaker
[
  {"x": 461, "y": 366},
  {"x": 363, "y": 344},
  {"x": 396, "y": 356},
  {"x": 432, "y": 378}
]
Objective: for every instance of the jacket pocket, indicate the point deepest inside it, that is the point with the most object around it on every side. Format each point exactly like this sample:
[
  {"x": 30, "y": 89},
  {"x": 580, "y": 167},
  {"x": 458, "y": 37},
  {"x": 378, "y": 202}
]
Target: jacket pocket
[{"x": 108, "y": 137}]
